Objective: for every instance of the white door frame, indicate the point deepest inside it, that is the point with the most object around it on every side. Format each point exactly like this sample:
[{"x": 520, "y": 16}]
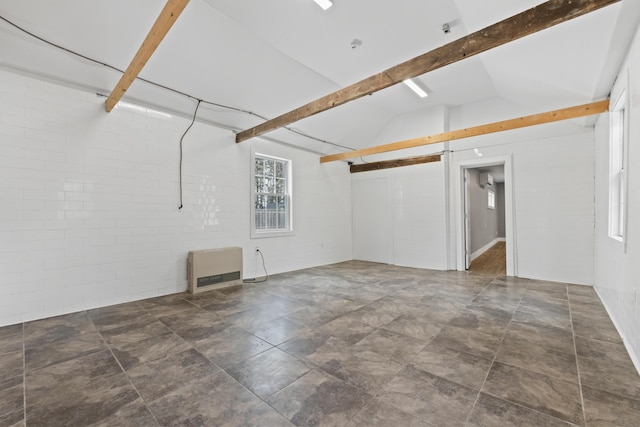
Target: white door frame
[
  {"x": 509, "y": 209},
  {"x": 466, "y": 211}
]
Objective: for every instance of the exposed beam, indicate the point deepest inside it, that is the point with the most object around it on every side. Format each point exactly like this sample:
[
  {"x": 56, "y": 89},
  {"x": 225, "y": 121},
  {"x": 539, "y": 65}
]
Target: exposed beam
[
  {"x": 543, "y": 16},
  {"x": 160, "y": 28},
  {"x": 398, "y": 163},
  {"x": 536, "y": 119}
]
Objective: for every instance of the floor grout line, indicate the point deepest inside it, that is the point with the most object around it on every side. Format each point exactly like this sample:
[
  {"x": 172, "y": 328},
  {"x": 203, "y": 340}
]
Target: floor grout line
[
  {"x": 475, "y": 286},
  {"x": 495, "y": 356},
  {"x": 575, "y": 350}
]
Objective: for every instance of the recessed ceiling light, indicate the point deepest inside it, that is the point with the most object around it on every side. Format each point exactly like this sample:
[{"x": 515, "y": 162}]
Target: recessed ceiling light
[
  {"x": 324, "y": 4},
  {"x": 417, "y": 89}
]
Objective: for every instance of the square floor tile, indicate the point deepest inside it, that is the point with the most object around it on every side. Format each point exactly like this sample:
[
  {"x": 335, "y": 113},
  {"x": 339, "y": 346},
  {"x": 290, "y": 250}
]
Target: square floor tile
[
  {"x": 279, "y": 330},
  {"x": 609, "y": 375},
  {"x": 319, "y": 399},
  {"x": 392, "y": 345},
  {"x": 347, "y": 329},
  {"x": 11, "y": 395},
  {"x": 516, "y": 351},
  {"x": 607, "y": 409},
  {"x": 363, "y": 369},
  {"x": 268, "y": 372},
  {"x": 492, "y": 412},
  {"x": 429, "y": 397},
  {"x": 11, "y": 365},
  {"x": 158, "y": 378},
  {"x": 468, "y": 341},
  {"x": 150, "y": 349},
  {"x": 491, "y": 321},
  {"x": 230, "y": 346},
  {"x": 315, "y": 347},
  {"x": 81, "y": 391},
  {"x": 212, "y": 400},
  {"x": 379, "y": 414},
  {"x": 417, "y": 326},
  {"x": 462, "y": 368},
  {"x": 558, "y": 398}
]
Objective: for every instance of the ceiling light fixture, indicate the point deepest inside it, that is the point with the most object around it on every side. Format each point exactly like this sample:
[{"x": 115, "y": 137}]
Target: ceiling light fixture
[
  {"x": 149, "y": 112},
  {"x": 324, "y": 4},
  {"x": 417, "y": 89}
]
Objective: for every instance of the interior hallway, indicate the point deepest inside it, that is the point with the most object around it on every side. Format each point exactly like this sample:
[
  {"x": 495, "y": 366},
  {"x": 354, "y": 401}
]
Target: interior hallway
[
  {"x": 350, "y": 344},
  {"x": 493, "y": 261}
]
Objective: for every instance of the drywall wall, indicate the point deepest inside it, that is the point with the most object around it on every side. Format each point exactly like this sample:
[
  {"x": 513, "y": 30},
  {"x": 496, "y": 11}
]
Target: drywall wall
[
  {"x": 617, "y": 271},
  {"x": 500, "y": 207},
  {"x": 483, "y": 221},
  {"x": 90, "y": 202}
]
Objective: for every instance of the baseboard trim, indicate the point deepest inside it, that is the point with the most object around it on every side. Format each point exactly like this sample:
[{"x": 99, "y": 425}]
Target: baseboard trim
[{"x": 634, "y": 357}]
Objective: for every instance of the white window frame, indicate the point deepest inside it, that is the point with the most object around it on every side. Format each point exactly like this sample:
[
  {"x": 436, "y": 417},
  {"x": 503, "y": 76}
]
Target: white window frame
[
  {"x": 618, "y": 168},
  {"x": 258, "y": 232}
]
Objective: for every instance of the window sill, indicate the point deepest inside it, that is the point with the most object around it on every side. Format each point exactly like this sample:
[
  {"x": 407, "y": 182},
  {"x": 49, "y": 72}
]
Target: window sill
[{"x": 268, "y": 234}]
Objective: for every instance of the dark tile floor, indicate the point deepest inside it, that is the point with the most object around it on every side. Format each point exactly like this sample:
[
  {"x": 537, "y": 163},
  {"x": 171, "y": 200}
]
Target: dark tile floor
[{"x": 351, "y": 344}]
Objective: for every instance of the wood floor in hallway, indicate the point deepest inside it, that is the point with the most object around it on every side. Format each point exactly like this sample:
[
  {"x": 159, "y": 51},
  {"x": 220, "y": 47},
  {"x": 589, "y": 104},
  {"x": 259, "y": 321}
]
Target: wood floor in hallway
[{"x": 493, "y": 261}]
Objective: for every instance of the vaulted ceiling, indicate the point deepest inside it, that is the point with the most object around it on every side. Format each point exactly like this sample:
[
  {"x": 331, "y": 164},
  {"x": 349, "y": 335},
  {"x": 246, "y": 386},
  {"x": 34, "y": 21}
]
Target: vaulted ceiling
[{"x": 269, "y": 57}]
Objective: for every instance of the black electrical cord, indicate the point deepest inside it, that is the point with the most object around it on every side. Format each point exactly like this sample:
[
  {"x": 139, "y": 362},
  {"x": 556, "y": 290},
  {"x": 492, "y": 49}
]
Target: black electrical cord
[
  {"x": 193, "y": 120},
  {"x": 104, "y": 64},
  {"x": 264, "y": 267}
]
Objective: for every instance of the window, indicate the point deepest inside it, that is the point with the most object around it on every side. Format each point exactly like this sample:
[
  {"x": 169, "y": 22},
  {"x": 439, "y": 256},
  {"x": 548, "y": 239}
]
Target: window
[
  {"x": 618, "y": 169},
  {"x": 271, "y": 196},
  {"x": 491, "y": 199}
]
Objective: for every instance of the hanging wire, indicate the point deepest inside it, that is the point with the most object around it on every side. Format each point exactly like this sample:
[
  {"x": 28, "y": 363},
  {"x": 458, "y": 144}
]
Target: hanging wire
[
  {"x": 193, "y": 120},
  {"x": 170, "y": 89}
]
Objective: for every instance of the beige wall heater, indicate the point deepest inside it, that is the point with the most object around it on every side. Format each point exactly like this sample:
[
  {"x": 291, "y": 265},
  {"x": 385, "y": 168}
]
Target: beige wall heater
[{"x": 214, "y": 268}]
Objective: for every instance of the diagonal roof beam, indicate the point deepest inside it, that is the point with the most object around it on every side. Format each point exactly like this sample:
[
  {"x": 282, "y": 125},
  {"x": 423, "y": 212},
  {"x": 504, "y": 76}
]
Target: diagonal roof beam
[
  {"x": 545, "y": 15},
  {"x": 521, "y": 122},
  {"x": 161, "y": 27}
]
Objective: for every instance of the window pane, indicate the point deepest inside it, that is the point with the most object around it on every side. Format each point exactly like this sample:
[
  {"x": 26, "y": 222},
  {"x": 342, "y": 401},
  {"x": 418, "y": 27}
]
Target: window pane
[
  {"x": 281, "y": 186},
  {"x": 280, "y": 170},
  {"x": 260, "y": 221},
  {"x": 260, "y": 184},
  {"x": 259, "y": 166},
  {"x": 270, "y": 185}
]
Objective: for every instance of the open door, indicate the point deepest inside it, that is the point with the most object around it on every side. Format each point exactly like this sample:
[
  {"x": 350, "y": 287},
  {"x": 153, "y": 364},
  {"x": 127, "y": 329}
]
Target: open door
[{"x": 467, "y": 222}]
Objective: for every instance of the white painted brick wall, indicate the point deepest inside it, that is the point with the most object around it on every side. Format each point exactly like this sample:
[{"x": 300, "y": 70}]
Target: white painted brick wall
[
  {"x": 617, "y": 275},
  {"x": 553, "y": 196},
  {"x": 90, "y": 202}
]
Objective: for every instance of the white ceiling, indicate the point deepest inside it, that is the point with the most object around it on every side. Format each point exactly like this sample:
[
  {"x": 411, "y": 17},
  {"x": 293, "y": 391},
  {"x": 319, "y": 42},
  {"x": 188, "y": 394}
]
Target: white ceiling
[{"x": 269, "y": 57}]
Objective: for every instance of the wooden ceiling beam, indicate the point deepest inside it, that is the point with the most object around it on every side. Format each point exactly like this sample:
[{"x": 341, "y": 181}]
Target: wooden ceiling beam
[
  {"x": 161, "y": 27},
  {"x": 398, "y": 163},
  {"x": 521, "y": 122},
  {"x": 545, "y": 15}
]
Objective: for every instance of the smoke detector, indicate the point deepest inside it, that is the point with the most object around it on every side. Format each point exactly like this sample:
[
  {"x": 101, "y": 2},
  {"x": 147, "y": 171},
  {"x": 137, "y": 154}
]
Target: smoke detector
[{"x": 355, "y": 44}]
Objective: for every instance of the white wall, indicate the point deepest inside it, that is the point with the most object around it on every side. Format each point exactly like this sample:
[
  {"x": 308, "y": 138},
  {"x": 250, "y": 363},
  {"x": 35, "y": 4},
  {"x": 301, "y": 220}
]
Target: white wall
[
  {"x": 410, "y": 226},
  {"x": 553, "y": 202},
  {"x": 553, "y": 170},
  {"x": 90, "y": 202},
  {"x": 617, "y": 271},
  {"x": 414, "y": 224}
]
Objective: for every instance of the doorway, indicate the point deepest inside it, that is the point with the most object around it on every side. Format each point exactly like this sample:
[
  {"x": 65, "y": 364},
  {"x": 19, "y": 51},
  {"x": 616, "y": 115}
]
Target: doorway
[
  {"x": 485, "y": 234},
  {"x": 485, "y": 216}
]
